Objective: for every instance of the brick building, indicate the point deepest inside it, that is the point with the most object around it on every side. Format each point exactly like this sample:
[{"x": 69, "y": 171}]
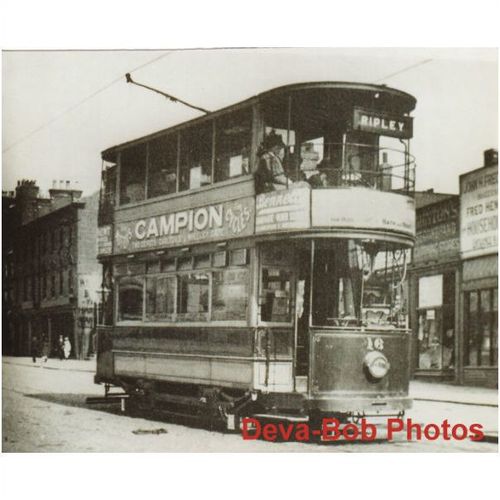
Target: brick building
[{"x": 50, "y": 274}]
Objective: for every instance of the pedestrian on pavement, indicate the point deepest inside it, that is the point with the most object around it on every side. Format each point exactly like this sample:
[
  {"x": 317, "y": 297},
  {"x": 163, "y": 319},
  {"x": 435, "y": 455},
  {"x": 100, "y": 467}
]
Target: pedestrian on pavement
[
  {"x": 67, "y": 347},
  {"x": 45, "y": 349},
  {"x": 60, "y": 347},
  {"x": 34, "y": 349}
]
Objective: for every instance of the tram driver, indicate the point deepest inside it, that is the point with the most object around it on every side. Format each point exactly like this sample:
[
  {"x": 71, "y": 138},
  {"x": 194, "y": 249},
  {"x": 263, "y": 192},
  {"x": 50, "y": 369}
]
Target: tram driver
[{"x": 270, "y": 174}]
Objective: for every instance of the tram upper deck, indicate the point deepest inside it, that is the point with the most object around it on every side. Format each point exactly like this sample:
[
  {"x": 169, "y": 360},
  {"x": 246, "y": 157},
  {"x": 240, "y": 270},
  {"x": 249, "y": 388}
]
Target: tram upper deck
[{"x": 342, "y": 143}]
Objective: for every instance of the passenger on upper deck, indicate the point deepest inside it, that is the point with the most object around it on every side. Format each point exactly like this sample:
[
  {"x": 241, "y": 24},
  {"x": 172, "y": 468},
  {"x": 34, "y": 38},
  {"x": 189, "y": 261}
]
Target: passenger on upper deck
[{"x": 270, "y": 174}]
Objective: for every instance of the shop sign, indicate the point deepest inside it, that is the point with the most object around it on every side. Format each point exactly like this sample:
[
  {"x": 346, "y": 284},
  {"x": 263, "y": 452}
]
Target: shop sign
[
  {"x": 438, "y": 231},
  {"x": 104, "y": 240},
  {"x": 363, "y": 209},
  {"x": 378, "y": 122},
  {"x": 284, "y": 210},
  {"x": 219, "y": 221},
  {"x": 479, "y": 212}
]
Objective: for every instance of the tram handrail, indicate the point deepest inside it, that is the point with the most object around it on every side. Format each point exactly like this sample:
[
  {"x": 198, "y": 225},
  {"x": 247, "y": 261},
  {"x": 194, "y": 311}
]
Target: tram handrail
[{"x": 347, "y": 165}]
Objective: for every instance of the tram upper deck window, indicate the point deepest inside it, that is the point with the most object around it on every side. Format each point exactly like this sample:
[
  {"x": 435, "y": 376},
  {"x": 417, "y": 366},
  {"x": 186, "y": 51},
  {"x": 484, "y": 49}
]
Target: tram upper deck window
[
  {"x": 162, "y": 168},
  {"x": 133, "y": 174},
  {"x": 196, "y": 157},
  {"x": 359, "y": 284},
  {"x": 232, "y": 146}
]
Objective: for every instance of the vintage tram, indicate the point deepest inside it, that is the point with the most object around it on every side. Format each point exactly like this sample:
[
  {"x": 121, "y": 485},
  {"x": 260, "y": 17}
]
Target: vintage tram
[{"x": 229, "y": 293}]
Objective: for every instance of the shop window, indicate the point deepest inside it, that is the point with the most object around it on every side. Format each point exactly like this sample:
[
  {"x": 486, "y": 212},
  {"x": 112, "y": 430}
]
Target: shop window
[
  {"x": 196, "y": 157},
  {"x": 193, "y": 297},
  {"x": 130, "y": 298},
  {"x": 160, "y": 298},
  {"x": 436, "y": 322},
  {"x": 133, "y": 174},
  {"x": 162, "y": 167},
  {"x": 481, "y": 328},
  {"x": 230, "y": 295},
  {"x": 232, "y": 146}
]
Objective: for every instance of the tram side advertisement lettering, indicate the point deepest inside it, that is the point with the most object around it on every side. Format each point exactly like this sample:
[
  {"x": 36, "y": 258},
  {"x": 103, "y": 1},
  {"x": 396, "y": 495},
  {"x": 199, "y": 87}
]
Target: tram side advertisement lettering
[{"x": 332, "y": 429}]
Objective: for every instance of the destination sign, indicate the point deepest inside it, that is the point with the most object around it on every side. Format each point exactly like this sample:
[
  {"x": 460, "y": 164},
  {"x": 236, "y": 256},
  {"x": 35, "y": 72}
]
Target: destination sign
[{"x": 378, "y": 122}]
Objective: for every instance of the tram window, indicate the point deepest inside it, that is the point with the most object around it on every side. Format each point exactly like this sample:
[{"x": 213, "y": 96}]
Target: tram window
[
  {"x": 168, "y": 265},
  {"x": 184, "y": 263},
  {"x": 202, "y": 261},
  {"x": 196, "y": 157},
  {"x": 220, "y": 259},
  {"x": 232, "y": 146},
  {"x": 160, "y": 298},
  {"x": 193, "y": 296},
  {"x": 133, "y": 174},
  {"x": 276, "y": 293},
  {"x": 238, "y": 257},
  {"x": 130, "y": 298},
  {"x": 361, "y": 158},
  {"x": 162, "y": 168},
  {"x": 230, "y": 295},
  {"x": 153, "y": 267}
]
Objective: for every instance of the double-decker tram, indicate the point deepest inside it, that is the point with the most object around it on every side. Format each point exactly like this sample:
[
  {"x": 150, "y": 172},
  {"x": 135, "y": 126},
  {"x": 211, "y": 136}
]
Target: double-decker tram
[{"x": 254, "y": 259}]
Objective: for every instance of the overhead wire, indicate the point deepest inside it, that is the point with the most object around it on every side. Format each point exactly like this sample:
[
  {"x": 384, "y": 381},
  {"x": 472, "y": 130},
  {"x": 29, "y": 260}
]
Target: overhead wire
[
  {"x": 81, "y": 102},
  {"x": 407, "y": 68}
]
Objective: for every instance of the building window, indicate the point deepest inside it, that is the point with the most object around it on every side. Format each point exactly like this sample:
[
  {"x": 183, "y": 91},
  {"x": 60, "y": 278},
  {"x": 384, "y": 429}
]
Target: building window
[
  {"x": 133, "y": 174},
  {"x": 232, "y": 146},
  {"x": 193, "y": 297},
  {"x": 230, "y": 295},
  {"x": 130, "y": 298},
  {"x": 162, "y": 167},
  {"x": 196, "y": 157},
  {"x": 481, "y": 328}
]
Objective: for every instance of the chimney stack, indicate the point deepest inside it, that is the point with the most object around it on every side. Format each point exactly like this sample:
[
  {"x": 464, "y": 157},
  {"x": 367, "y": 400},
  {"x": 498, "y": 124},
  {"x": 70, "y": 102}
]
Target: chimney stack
[{"x": 490, "y": 157}]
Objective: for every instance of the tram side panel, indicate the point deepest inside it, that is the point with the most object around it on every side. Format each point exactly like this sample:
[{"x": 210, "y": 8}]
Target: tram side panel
[{"x": 242, "y": 358}]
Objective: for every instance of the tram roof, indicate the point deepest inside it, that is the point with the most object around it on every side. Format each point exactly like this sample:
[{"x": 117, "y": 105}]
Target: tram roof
[{"x": 402, "y": 100}]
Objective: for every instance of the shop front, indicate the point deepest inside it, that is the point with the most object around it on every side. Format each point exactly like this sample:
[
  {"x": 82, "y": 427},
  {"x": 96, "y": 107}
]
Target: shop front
[
  {"x": 479, "y": 287},
  {"x": 434, "y": 284}
]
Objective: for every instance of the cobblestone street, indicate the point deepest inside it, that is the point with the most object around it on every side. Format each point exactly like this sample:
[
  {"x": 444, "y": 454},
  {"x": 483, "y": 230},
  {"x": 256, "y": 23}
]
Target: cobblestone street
[{"x": 44, "y": 410}]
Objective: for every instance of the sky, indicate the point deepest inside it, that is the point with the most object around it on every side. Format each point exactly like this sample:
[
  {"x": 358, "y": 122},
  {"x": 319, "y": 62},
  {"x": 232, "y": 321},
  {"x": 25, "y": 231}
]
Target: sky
[{"x": 62, "y": 108}]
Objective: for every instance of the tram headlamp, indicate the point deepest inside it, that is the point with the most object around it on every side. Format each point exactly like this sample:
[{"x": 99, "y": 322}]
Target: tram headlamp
[{"x": 376, "y": 364}]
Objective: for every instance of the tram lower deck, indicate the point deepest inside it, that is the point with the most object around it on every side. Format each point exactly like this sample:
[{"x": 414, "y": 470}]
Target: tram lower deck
[{"x": 316, "y": 328}]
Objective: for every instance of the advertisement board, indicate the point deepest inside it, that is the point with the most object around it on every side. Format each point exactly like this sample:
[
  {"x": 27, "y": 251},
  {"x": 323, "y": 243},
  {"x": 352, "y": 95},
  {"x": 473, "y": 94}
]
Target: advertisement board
[
  {"x": 361, "y": 208},
  {"x": 214, "y": 222},
  {"x": 284, "y": 210},
  {"x": 479, "y": 212}
]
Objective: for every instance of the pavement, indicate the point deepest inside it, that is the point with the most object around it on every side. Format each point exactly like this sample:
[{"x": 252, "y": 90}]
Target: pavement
[{"x": 419, "y": 390}]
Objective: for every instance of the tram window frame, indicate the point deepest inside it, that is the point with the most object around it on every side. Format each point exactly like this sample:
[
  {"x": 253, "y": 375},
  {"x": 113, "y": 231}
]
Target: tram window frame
[
  {"x": 178, "y": 318},
  {"x": 230, "y": 139},
  {"x": 133, "y": 168},
  {"x": 163, "y": 159},
  {"x": 196, "y": 153},
  {"x": 119, "y": 312},
  {"x": 183, "y": 315}
]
